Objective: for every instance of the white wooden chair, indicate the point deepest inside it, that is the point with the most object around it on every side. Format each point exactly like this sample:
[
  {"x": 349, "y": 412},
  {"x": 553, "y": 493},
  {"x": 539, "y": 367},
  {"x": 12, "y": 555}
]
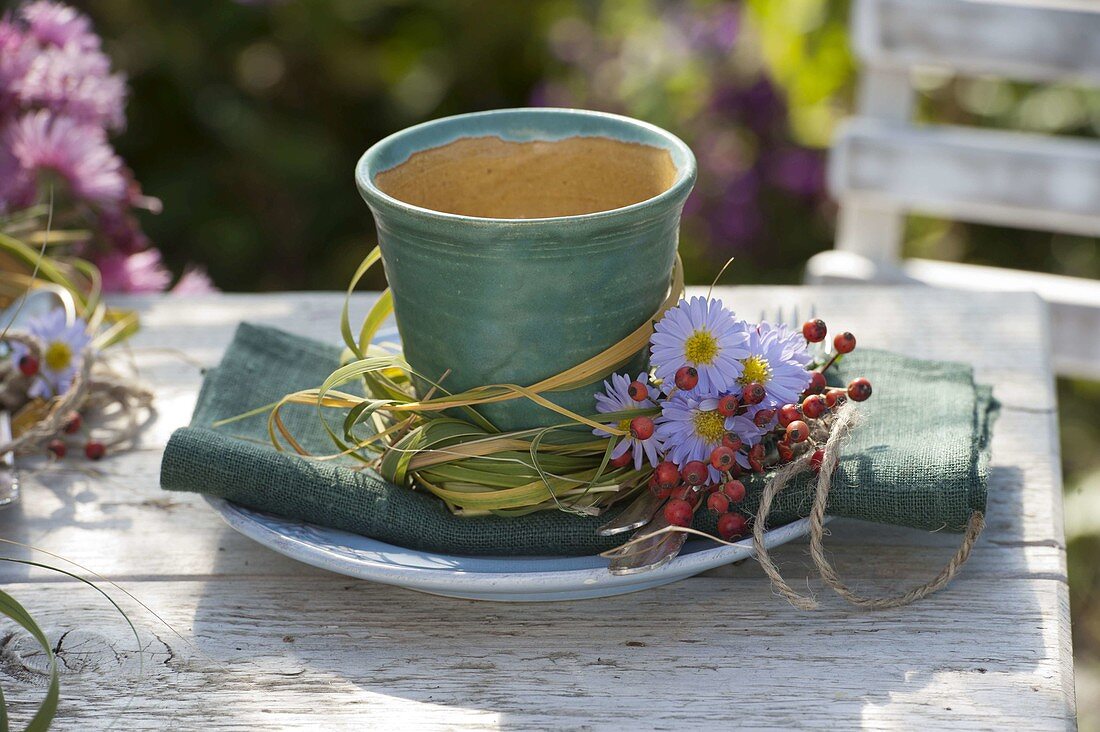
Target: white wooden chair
[{"x": 883, "y": 166}]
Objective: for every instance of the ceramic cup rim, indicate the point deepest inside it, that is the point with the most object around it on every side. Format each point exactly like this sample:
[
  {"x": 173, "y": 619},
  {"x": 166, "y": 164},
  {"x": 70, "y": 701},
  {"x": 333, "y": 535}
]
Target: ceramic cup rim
[{"x": 369, "y": 164}]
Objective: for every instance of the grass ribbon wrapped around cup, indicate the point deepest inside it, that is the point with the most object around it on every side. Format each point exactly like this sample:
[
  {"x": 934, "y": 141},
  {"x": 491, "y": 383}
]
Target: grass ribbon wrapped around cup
[{"x": 466, "y": 461}]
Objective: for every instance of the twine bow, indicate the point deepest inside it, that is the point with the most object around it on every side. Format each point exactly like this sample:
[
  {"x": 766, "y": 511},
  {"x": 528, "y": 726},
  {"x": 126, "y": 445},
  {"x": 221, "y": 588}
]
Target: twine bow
[{"x": 845, "y": 420}]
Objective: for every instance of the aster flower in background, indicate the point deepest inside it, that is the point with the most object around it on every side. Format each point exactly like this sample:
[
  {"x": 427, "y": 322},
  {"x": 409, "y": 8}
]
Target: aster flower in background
[
  {"x": 194, "y": 281},
  {"x": 58, "y": 102},
  {"x": 140, "y": 272},
  {"x": 616, "y": 398},
  {"x": 702, "y": 334},
  {"x": 64, "y": 348},
  {"x": 76, "y": 152}
]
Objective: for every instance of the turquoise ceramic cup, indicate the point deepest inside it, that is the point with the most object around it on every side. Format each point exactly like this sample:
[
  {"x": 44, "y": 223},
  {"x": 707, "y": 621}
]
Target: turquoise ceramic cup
[{"x": 515, "y": 248}]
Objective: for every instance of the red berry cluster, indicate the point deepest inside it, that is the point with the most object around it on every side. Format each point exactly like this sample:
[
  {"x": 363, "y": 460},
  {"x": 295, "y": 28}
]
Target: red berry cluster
[
  {"x": 57, "y": 447},
  {"x": 686, "y": 487}
]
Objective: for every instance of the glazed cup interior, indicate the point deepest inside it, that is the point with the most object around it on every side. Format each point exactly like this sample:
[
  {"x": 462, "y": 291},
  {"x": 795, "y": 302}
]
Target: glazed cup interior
[
  {"x": 491, "y": 177},
  {"x": 524, "y": 164}
]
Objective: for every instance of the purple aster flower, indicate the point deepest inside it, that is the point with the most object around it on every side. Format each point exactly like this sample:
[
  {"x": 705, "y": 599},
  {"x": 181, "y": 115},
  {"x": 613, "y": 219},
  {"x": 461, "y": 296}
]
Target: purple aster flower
[
  {"x": 616, "y": 398},
  {"x": 794, "y": 343},
  {"x": 78, "y": 153},
  {"x": 689, "y": 428},
  {"x": 140, "y": 272},
  {"x": 745, "y": 428},
  {"x": 772, "y": 362},
  {"x": 703, "y": 334},
  {"x": 64, "y": 345}
]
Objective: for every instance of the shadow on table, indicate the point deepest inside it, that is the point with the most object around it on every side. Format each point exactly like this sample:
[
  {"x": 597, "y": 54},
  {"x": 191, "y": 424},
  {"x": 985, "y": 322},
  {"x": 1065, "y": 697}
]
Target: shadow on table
[
  {"x": 70, "y": 490},
  {"x": 705, "y": 650}
]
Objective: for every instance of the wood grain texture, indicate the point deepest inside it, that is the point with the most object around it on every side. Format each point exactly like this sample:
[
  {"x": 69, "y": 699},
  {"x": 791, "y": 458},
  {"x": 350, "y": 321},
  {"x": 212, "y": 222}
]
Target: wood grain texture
[{"x": 270, "y": 643}]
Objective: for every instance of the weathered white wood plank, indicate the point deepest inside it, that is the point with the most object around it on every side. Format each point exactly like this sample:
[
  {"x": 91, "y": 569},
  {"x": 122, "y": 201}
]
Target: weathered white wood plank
[
  {"x": 325, "y": 653},
  {"x": 1041, "y": 40},
  {"x": 281, "y": 645},
  {"x": 1008, "y": 178}
]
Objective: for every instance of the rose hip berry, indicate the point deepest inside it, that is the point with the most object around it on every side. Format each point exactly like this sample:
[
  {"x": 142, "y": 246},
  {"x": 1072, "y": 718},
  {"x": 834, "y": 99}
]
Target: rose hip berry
[
  {"x": 662, "y": 492},
  {"x": 721, "y": 458},
  {"x": 727, "y": 405},
  {"x": 678, "y": 512},
  {"x": 756, "y": 458},
  {"x": 95, "y": 450},
  {"x": 731, "y": 525},
  {"x": 798, "y": 431},
  {"x": 687, "y": 378},
  {"x": 641, "y": 428},
  {"x": 731, "y": 441},
  {"x": 814, "y": 330},
  {"x": 859, "y": 390},
  {"x": 787, "y": 414},
  {"x": 718, "y": 502},
  {"x": 844, "y": 342},
  {"x": 816, "y": 459},
  {"x": 734, "y": 490},
  {"x": 28, "y": 365},
  {"x": 72, "y": 426},
  {"x": 817, "y": 383},
  {"x": 666, "y": 475},
  {"x": 763, "y": 418},
  {"x": 694, "y": 472},
  {"x": 835, "y": 397},
  {"x": 56, "y": 448},
  {"x": 637, "y": 391},
  {"x": 753, "y": 393},
  {"x": 786, "y": 452},
  {"x": 813, "y": 406},
  {"x": 622, "y": 460}
]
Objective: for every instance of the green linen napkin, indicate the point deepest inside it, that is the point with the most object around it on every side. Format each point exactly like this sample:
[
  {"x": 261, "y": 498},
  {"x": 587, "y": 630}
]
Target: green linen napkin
[{"x": 919, "y": 458}]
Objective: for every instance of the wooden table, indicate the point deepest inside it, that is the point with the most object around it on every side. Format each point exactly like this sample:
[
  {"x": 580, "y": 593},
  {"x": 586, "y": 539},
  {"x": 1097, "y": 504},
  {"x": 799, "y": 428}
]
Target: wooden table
[{"x": 264, "y": 642}]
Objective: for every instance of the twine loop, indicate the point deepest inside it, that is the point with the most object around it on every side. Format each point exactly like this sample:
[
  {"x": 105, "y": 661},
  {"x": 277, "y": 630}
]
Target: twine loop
[{"x": 842, "y": 424}]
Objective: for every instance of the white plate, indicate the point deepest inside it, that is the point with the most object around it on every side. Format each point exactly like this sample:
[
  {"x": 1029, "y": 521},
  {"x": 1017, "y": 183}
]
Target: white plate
[{"x": 506, "y": 579}]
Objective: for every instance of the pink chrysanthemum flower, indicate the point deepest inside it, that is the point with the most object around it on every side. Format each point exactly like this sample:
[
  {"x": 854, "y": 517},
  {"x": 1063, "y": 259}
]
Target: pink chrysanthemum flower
[
  {"x": 194, "y": 281},
  {"x": 74, "y": 82},
  {"x": 78, "y": 153},
  {"x": 141, "y": 272},
  {"x": 57, "y": 24},
  {"x": 16, "y": 55}
]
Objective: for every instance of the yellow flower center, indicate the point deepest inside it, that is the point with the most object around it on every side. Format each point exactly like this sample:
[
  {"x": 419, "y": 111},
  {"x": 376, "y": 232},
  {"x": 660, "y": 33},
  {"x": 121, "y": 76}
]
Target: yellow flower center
[
  {"x": 757, "y": 370},
  {"x": 59, "y": 356},
  {"x": 624, "y": 425},
  {"x": 710, "y": 426},
  {"x": 701, "y": 348}
]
